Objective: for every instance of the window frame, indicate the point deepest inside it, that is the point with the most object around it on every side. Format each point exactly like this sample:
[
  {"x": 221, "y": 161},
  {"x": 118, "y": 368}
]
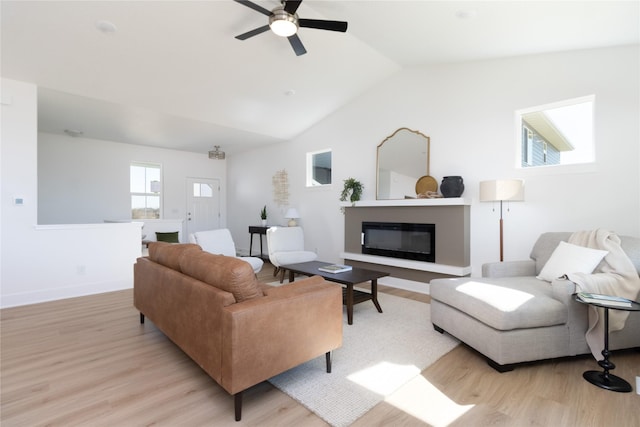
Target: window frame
[
  {"x": 310, "y": 176},
  {"x": 561, "y": 167},
  {"x": 148, "y": 190}
]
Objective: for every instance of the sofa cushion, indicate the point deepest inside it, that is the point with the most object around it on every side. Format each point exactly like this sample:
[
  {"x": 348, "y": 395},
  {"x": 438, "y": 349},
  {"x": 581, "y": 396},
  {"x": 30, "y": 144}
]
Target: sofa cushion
[
  {"x": 169, "y": 254},
  {"x": 568, "y": 258},
  {"x": 505, "y": 303},
  {"x": 227, "y": 273}
]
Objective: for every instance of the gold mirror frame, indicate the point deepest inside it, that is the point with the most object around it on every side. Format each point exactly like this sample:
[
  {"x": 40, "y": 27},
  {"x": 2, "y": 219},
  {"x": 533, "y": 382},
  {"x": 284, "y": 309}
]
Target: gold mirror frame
[{"x": 402, "y": 159}]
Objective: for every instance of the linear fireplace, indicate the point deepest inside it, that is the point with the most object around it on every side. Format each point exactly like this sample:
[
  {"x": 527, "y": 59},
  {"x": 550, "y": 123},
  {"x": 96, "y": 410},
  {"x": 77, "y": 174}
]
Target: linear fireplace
[{"x": 400, "y": 240}]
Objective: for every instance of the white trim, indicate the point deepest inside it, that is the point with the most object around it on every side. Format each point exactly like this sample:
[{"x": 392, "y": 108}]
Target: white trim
[
  {"x": 451, "y": 270},
  {"x": 452, "y": 201},
  {"x": 106, "y": 224},
  {"x": 407, "y": 285}
]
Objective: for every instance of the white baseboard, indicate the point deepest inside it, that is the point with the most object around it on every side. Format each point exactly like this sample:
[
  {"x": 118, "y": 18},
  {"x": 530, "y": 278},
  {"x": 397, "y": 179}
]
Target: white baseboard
[
  {"x": 407, "y": 285},
  {"x": 45, "y": 295}
]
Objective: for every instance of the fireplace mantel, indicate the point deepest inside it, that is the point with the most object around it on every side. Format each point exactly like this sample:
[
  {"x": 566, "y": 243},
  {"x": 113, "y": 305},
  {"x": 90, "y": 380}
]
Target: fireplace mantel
[{"x": 453, "y": 201}]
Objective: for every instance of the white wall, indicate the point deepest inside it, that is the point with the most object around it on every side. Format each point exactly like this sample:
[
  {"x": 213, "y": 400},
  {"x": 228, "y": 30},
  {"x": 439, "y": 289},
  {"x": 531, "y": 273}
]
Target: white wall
[
  {"x": 468, "y": 110},
  {"x": 83, "y": 180},
  {"x": 40, "y": 263}
]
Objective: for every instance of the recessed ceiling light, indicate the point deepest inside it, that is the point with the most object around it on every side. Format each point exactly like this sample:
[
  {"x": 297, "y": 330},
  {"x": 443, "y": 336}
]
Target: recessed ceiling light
[
  {"x": 466, "y": 14},
  {"x": 106, "y": 27}
]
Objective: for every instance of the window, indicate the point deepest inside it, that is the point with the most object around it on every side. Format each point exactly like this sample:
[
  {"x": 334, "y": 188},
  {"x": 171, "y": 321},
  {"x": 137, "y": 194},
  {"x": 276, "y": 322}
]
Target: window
[
  {"x": 145, "y": 191},
  {"x": 201, "y": 189},
  {"x": 319, "y": 168},
  {"x": 556, "y": 134}
]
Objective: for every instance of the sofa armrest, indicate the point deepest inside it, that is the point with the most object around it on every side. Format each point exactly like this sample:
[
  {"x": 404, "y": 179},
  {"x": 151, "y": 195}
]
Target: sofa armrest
[
  {"x": 509, "y": 268},
  {"x": 266, "y": 336}
]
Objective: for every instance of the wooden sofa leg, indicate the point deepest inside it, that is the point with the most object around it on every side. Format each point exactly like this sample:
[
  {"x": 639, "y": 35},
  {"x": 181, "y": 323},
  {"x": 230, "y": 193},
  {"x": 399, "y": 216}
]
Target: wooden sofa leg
[
  {"x": 328, "y": 358},
  {"x": 142, "y": 318},
  {"x": 275, "y": 271},
  {"x": 237, "y": 402}
]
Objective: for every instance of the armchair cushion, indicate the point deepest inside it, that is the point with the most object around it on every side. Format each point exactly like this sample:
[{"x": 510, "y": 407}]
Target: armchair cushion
[
  {"x": 220, "y": 242},
  {"x": 286, "y": 246},
  {"x": 217, "y": 242}
]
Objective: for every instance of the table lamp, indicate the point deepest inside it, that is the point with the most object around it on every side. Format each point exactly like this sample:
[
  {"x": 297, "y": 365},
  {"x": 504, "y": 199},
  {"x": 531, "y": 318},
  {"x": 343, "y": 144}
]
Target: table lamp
[{"x": 292, "y": 214}]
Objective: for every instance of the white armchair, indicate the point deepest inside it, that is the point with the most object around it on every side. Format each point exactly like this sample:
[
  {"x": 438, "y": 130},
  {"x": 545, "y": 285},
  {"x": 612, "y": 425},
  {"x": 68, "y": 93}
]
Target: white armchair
[
  {"x": 286, "y": 246},
  {"x": 220, "y": 242}
]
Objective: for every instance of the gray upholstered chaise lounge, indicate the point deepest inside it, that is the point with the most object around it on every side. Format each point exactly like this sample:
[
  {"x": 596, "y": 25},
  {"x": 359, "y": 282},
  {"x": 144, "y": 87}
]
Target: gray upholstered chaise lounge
[{"x": 548, "y": 325}]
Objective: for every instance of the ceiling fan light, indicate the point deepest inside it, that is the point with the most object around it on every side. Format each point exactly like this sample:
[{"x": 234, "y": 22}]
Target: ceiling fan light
[{"x": 282, "y": 23}]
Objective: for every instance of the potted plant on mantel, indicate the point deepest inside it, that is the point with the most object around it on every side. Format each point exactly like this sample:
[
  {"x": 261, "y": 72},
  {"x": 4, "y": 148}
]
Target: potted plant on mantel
[
  {"x": 352, "y": 190},
  {"x": 263, "y": 215}
]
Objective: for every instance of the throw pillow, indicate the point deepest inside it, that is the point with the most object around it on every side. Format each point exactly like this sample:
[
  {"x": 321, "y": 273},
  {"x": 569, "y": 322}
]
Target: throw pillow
[
  {"x": 568, "y": 258},
  {"x": 171, "y": 237}
]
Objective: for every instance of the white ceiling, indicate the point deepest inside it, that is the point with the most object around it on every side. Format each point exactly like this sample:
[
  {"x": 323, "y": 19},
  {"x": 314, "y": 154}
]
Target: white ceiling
[{"x": 174, "y": 76}]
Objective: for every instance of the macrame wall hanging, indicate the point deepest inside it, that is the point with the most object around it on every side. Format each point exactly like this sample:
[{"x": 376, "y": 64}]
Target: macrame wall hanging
[{"x": 281, "y": 188}]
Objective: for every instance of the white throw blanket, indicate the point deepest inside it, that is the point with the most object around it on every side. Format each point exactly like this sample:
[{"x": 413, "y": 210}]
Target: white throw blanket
[{"x": 616, "y": 275}]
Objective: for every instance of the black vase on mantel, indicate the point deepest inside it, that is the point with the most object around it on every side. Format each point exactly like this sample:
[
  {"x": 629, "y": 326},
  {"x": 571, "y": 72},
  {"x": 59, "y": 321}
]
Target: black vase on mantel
[{"x": 452, "y": 186}]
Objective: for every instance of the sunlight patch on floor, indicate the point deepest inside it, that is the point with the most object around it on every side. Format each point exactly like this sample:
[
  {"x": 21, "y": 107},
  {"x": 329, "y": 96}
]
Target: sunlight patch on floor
[
  {"x": 384, "y": 377},
  {"x": 422, "y": 400}
]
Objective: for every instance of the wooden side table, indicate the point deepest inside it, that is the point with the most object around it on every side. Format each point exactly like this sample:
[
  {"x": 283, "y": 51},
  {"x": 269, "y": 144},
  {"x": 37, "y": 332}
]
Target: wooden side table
[
  {"x": 260, "y": 230},
  {"x": 606, "y": 379}
]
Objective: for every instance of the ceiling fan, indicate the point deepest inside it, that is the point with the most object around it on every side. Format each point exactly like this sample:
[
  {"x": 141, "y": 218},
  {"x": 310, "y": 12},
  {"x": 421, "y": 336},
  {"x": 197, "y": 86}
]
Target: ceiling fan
[{"x": 284, "y": 22}]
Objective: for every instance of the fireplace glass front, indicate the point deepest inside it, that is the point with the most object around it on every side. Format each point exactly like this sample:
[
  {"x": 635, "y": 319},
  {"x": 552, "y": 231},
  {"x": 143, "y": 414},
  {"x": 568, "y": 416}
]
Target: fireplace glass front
[{"x": 400, "y": 240}]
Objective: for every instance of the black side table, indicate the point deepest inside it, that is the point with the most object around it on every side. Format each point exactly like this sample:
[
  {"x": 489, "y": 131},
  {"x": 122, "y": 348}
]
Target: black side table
[
  {"x": 260, "y": 230},
  {"x": 605, "y": 379}
]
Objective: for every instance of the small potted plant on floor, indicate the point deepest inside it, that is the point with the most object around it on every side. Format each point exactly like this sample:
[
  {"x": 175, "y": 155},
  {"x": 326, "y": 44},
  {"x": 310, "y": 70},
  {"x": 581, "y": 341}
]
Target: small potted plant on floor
[{"x": 263, "y": 215}]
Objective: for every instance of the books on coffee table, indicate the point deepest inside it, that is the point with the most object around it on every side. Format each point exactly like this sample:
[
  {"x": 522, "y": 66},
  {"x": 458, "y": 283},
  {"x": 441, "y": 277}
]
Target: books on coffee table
[
  {"x": 604, "y": 299},
  {"x": 335, "y": 268}
]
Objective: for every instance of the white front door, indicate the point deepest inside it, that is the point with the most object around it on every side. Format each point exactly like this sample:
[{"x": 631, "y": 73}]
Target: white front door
[{"x": 203, "y": 204}]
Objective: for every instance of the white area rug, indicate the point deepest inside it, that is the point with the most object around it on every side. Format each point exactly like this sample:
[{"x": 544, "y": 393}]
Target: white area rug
[{"x": 379, "y": 353}]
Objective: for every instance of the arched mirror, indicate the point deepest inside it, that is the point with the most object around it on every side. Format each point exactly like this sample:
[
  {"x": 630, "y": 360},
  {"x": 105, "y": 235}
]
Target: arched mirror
[{"x": 403, "y": 157}]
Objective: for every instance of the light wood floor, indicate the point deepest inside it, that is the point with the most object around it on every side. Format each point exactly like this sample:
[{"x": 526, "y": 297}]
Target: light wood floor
[{"x": 88, "y": 361}]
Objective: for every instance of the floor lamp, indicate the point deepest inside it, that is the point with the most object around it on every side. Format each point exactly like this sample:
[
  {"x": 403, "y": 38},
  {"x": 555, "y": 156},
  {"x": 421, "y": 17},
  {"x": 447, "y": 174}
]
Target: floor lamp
[{"x": 502, "y": 190}]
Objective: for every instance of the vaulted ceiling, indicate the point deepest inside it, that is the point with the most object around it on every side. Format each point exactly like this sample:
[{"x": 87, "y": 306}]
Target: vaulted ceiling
[{"x": 171, "y": 74}]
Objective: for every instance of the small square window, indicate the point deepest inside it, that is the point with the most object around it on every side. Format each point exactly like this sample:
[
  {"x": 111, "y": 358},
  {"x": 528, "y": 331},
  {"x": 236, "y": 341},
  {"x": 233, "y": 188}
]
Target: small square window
[{"x": 319, "y": 168}]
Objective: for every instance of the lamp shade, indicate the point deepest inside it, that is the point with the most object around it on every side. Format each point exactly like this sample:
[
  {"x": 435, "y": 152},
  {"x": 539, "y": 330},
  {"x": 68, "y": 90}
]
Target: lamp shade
[
  {"x": 292, "y": 213},
  {"x": 502, "y": 189},
  {"x": 154, "y": 186}
]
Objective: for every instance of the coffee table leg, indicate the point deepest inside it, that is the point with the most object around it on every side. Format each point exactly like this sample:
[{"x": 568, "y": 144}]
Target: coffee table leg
[
  {"x": 374, "y": 294},
  {"x": 350, "y": 304}
]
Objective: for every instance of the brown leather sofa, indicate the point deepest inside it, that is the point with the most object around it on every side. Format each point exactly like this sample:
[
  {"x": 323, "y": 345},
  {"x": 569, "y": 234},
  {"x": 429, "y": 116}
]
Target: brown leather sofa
[{"x": 239, "y": 331}]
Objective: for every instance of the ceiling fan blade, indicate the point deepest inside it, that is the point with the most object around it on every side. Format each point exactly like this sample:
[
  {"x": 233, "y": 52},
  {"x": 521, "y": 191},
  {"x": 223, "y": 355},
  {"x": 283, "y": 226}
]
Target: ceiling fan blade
[
  {"x": 320, "y": 24},
  {"x": 254, "y": 6},
  {"x": 291, "y": 6},
  {"x": 252, "y": 33},
  {"x": 296, "y": 44}
]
